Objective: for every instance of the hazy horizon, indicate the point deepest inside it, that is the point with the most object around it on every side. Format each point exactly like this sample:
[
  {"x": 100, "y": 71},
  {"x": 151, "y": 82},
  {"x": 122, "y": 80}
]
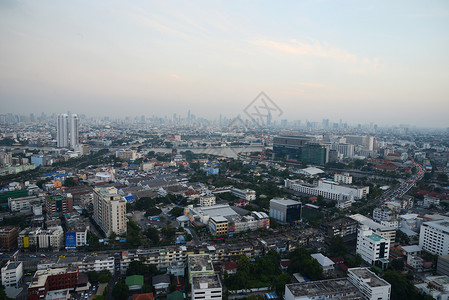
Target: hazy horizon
[{"x": 362, "y": 62}]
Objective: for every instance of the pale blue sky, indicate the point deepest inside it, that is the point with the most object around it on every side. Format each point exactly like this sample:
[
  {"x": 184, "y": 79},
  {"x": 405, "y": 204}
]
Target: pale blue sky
[{"x": 385, "y": 62}]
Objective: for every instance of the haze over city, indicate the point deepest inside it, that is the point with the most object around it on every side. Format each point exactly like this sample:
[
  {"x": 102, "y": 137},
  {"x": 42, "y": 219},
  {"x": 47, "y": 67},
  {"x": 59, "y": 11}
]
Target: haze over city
[{"x": 385, "y": 63}]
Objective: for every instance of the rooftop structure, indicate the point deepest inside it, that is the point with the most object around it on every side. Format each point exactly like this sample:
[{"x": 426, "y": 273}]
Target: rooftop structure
[{"x": 339, "y": 288}]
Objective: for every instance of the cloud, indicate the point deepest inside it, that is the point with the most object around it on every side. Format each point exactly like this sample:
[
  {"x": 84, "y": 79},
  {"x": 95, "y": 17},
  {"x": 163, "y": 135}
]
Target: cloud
[
  {"x": 174, "y": 75},
  {"x": 312, "y": 84}
]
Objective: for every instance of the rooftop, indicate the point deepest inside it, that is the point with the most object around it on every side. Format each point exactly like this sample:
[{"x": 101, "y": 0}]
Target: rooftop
[
  {"x": 284, "y": 201},
  {"x": 369, "y": 277},
  {"x": 325, "y": 287},
  {"x": 200, "y": 263},
  {"x": 209, "y": 281}
]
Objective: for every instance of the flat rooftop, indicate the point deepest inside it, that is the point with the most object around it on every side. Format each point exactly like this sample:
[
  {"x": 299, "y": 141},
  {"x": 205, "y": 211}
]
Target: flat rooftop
[
  {"x": 324, "y": 288},
  {"x": 442, "y": 225},
  {"x": 283, "y": 201},
  {"x": 200, "y": 263},
  {"x": 370, "y": 223},
  {"x": 209, "y": 281},
  {"x": 369, "y": 277}
]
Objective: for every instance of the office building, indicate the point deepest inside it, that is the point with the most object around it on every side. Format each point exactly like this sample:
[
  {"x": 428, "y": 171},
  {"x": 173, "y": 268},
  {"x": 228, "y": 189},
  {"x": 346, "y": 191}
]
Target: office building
[
  {"x": 57, "y": 205},
  {"x": 206, "y": 287},
  {"x": 74, "y": 132},
  {"x": 443, "y": 265},
  {"x": 12, "y": 274},
  {"x": 343, "y": 178},
  {"x": 369, "y": 284},
  {"x": 434, "y": 237},
  {"x": 299, "y": 148},
  {"x": 62, "y": 136},
  {"x": 218, "y": 225},
  {"x": 8, "y": 238},
  {"x": 374, "y": 249},
  {"x": 285, "y": 211},
  {"x": 110, "y": 211}
]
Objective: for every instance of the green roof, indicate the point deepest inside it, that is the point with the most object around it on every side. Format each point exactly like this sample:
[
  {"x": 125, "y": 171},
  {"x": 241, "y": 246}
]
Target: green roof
[
  {"x": 176, "y": 295},
  {"x": 134, "y": 280},
  {"x": 376, "y": 237}
]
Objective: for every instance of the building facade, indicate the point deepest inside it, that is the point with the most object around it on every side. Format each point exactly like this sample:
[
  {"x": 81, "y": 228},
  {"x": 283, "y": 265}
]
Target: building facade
[
  {"x": 373, "y": 248},
  {"x": 110, "y": 211},
  {"x": 434, "y": 237},
  {"x": 12, "y": 274},
  {"x": 285, "y": 211}
]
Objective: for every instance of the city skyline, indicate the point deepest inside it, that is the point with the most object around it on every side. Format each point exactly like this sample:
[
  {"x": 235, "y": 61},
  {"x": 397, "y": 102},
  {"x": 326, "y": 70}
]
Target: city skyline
[{"x": 385, "y": 64}]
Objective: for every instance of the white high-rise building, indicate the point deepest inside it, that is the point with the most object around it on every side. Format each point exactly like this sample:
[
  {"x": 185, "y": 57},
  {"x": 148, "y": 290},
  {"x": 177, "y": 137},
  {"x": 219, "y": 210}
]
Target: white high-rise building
[
  {"x": 373, "y": 248},
  {"x": 62, "y": 138},
  {"x": 434, "y": 237},
  {"x": 74, "y": 137}
]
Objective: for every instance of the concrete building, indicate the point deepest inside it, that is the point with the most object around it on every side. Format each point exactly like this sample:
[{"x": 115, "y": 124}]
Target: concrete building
[
  {"x": 443, "y": 265},
  {"x": 199, "y": 264},
  {"x": 369, "y": 284},
  {"x": 326, "y": 264},
  {"x": 110, "y": 211},
  {"x": 285, "y": 211},
  {"x": 74, "y": 132},
  {"x": 328, "y": 189},
  {"x": 434, "y": 237},
  {"x": 8, "y": 238},
  {"x": 52, "y": 280},
  {"x": 23, "y": 204},
  {"x": 379, "y": 229},
  {"x": 12, "y": 274},
  {"x": 57, "y": 205},
  {"x": 343, "y": 178},
  {"x": 344, "y": 227},
  {"x": 373, "y": 248},
  {"x": 340, "y": 288},
  {"x": 126, "y": 154},
  {"x": 53, "y": 237},
  {"x": 97, "y": 263},
  {"x": 62, "y": 136},
  {"x": 206, "y": 287},
  {"x": 207, "y": 200},
  {"x": 246, "y": 194},
  {"x": 202, "y": 214},
  {"x": 218, "y": 225},
  {"x": 435, "y": 286}
]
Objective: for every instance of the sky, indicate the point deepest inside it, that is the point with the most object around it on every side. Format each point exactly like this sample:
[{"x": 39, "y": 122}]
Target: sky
[{"x": 384, "y": 62}]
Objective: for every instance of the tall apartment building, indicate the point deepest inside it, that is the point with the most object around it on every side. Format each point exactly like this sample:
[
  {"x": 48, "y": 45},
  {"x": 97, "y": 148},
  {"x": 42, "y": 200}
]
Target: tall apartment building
[
  {"x": 62, "y": 137},
  {"x": 67, "y": 132},
  {"x": 373, "y": 248},
  {"x": 434, "y": 237},
  {"x": 110, "y": 211},
  {"x": 74, "y": 131},
  {"x": 57, "y": 205}
]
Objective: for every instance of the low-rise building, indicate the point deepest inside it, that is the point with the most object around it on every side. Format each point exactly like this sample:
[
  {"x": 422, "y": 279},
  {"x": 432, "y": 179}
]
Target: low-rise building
[
  {"x": 326, "y": 264},
  {"x": 435, "y": 286},
  {"x": 285, "y": 211},
  {"x": 12, "y": 274},
  {"x": 24, "y": 204},
  {"x": 51, "y": 280},
  {"x": 42, "y": 238},
  {"x": 369, "y": 284},
  {"x": 247, "y": 194},
  {"x": 206, "y": 287},
  {"x": 340, "y": 288},
  {"x": 207, "y": 200},
  {"x": 8, "y": 237}
]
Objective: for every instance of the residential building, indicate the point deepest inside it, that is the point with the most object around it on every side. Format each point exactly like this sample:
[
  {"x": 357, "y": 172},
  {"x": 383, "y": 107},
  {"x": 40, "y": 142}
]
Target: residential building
[
  {"x": 199, "y": 264},
  {"x": 74, "y": 131},
  {"x": 51, "y": 280},
  {"x": 62, "y": 137},
  {"x": 8, "y": 238},
  {"x": 373, "y": 248},
  {"x": 344, "y": 227},
  {"x": 58, "y": 205},
  {"x": 53, "y": 237},
  {"x": 369, "y": 284},
  {"x": 246, "y": 194},
  {"x": 379, "y": 229},
  {"x": 434, "y": 237},
  {"x": 326, "y": 264},
  {"x": 126, "y": 154},
  {"x": 96, "y": 263},
  {"x": 206, "y": 287},
  {"x": 285, "y": 211},
  {"x": 110, "y": 211},
  {"x": 12, "y": 274},
  {"x": 435, "y": 286},
  {"x": 343, "y": 178},
  {"x": 207, "y": 200}
]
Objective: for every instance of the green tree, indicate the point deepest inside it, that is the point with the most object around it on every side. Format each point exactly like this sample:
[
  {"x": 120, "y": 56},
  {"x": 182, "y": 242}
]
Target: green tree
[
  {"x": 177, "y": 211},
  {"x": 337, "y": 246},
  {"x": 398, "y": 264},
  {"x": 401, "y": 288},
  {"x": 120, "y": 291},
  {"x": 93, "y": 276}
]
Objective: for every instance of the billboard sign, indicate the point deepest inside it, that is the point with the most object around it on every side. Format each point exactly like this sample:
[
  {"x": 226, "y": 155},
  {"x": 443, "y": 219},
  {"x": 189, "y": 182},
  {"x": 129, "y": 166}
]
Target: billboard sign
[{"x": 70, "y": 240}]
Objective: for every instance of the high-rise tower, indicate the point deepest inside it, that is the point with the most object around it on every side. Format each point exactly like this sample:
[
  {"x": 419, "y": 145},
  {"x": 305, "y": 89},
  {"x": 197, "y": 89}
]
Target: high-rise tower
[
  {"x": 74, "y": 138},
  {"x": 62, "y": 137}
]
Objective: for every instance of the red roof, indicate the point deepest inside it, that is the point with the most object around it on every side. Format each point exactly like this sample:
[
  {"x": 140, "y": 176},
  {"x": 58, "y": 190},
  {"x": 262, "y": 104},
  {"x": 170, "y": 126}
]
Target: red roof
[
  {"x": 229, "y": 265},
  {"x": 147, "y": 296},
  {"x": 285, "y": 262},
  {"x": 338, "y": 259}
]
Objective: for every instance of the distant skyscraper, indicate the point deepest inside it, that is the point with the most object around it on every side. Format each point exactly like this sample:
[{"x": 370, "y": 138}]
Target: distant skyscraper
[
  {"x": 74, "y": 133},
  {"x": 62, "y": 138}
]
